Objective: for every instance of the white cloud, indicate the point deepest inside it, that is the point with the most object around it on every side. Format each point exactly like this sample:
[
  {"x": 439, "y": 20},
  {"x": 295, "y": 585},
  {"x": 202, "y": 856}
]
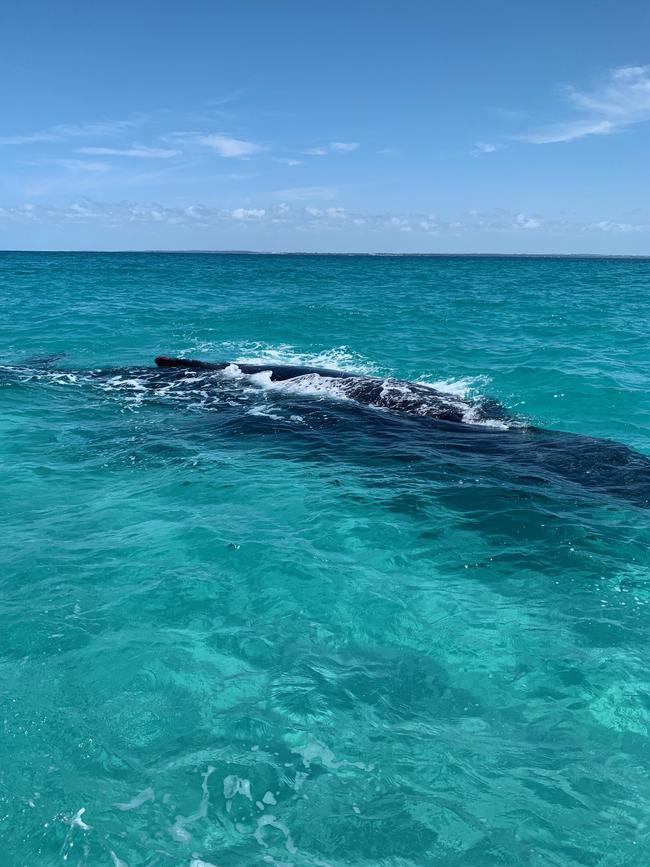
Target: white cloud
[
  {"x": 621, "y": 100},
  {"x": 136, "y": 151},
  {"x": 333, "y": 147},
  {"x": 248, "y": 213},
  {"x": 226, "y": 146},
  {"x": 233, "y": 96},
  {"x": 304, "y": 218},
  {"x": 29, "y": 138},
  {"x": 85, "y": 210},
  {"x": 287, "y": 161},
  {"x": 70, "y": 164},
  {"x": 344, "y": 146},
  {"x": 401, "y": 224},
  {"x": 63, "y": 132},
  {"x": 99, "y": 128},
  {"x": 521, "y": 221},
  {"x": 569, "y": 131},
  {"x": 296, "y": 194},
  {"x": 611, "y": 226},
  {"x": 484, "y": 147}
]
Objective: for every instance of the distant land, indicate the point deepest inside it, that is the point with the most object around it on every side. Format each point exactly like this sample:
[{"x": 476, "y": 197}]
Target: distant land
[{"x": 353, "y": 255}]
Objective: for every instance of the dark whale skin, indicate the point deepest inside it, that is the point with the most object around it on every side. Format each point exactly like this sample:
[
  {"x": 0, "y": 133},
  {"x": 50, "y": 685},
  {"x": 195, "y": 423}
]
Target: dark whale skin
[
  {"x": 383, "y": 392},
  {"x": 279, "y": 372}
]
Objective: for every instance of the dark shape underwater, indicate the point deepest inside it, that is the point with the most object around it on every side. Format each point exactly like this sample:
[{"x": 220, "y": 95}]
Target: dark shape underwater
[{"x": 383, "y": 419}]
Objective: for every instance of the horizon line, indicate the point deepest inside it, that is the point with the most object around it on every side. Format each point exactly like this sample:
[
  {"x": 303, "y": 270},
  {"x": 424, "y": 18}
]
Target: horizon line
[{"x": 372, "y": 254}]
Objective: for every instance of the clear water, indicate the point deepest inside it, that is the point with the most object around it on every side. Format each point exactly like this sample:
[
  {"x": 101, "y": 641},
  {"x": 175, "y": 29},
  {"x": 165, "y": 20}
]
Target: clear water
[{"x": 245, "y": 625}]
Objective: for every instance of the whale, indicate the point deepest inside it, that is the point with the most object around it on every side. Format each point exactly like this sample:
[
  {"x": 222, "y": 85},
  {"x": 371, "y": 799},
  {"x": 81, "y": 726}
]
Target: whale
[
  {"x": 378, "y": 392},
  {"x": 443, "y": 424},
  {"x": 364, "y": 418}
]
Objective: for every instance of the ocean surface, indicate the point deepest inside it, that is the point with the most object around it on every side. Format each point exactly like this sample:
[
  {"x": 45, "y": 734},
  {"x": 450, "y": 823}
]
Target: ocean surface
[{"x": 246, "y": 623}]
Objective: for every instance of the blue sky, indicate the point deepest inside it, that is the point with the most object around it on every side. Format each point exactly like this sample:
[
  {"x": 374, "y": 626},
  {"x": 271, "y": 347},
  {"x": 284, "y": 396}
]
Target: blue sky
[{"x": 326, "y": 126}]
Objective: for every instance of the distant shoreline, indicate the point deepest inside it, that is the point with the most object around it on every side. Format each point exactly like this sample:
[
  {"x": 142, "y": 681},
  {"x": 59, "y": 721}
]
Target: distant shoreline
[{"x": 334, "y": 253}]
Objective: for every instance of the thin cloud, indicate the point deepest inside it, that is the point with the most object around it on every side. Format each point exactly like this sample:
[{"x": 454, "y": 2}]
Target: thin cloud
[
  {"x": 622, "y": 100},
  {"x": 226, "y": 99},
  {"x": 70, "y": 164},
  {"x": 100, "y": 128},
  {"x": 570, "y": 131},
  {"x": 64, "y": 132},
  {"x": 140, "y": 151},
  {"x": 225, "y": 146},
  {"x": 485, "y": 147},
  {"x": 521, "y": 221},
  {"x": 613, "y": 226},
  {"x": 297, "y": 194},
  {"x": 344, "y": 146},
  {"x": 400, "y": 223},
  {"x": 248, "y": 213},
  {"x": 341, "y": 147},
  {"x": 306, "y": 218},
  {"x": 29, "y": 138}
]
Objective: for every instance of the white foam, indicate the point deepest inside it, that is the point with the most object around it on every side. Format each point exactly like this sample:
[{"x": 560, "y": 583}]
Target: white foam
[
  {"x": 78, "y": 821},
  {"x": 59, "y": 377},
  {"x": 269, "y": 820},
  {"x": 335, "y": 358},
  {"x": 318, "y": 750},
  {"x": 232, "y": 372},
  {"x": 463, "y": 387},
  {"x": 262, "y": 379},
  {"x": 178, "y": 830},
  {"x": 265, "y": 412},
  {"x": 472, "y": 416},
  {"x": 137, "y": 800},
  {"x": 468, "y": 388},
  {"x": 309, "y": 384},
  {"x": 122, "y": 381},
  {"x": 313, "y": 385},
  {"x": 233, "y": 785},
  {"x": 300, "y": 780}
]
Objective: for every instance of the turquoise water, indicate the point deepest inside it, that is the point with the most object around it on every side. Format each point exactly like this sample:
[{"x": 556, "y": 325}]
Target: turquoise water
[{"x": 250, "y": 625}]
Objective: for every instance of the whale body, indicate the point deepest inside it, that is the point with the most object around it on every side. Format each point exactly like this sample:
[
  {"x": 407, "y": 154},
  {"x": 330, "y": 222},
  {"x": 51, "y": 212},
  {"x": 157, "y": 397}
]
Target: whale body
[
  {"x": 470, "y": 429},
  {"x": 370, "y": 418},
  {"x": 380, "y": 392}
]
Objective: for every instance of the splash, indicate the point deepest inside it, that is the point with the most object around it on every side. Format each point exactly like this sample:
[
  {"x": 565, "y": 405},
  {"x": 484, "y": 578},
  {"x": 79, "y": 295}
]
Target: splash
[{"x": 335, "y": 358}]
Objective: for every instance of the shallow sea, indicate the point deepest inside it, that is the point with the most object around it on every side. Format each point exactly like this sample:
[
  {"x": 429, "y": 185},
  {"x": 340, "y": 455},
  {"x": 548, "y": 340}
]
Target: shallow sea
[{"x": 249, "y": 625}]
